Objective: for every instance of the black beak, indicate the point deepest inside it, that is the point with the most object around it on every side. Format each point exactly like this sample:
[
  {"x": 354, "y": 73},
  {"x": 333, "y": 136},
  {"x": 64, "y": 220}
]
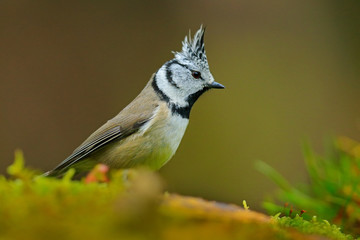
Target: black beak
[{"x": 216, "y": 85}]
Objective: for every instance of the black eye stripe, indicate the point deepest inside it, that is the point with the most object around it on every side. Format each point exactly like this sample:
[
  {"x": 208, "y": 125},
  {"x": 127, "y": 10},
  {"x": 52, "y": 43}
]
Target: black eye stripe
[
  {"x": 174, "y": 61},
  {"x": 169, "y": 75},
  {"x": 175, "y": 109}
]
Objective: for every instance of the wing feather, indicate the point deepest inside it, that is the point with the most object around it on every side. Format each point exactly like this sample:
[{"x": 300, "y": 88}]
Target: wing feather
[
  {"x": 85, "y": 150},
  {"x": 126, "y": 123}
]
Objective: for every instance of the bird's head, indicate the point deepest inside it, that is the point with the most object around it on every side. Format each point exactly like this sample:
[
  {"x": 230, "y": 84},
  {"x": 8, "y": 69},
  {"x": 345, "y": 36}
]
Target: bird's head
[{"x": 186, "y": 77}]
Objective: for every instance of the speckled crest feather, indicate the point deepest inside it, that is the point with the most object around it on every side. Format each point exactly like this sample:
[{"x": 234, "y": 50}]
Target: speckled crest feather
[{"x": 194, "y": 49}]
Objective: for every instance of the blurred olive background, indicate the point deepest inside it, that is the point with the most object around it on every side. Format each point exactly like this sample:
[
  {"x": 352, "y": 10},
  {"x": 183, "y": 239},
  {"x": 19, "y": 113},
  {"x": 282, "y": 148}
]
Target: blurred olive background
[{"x": 291, "y": 71}]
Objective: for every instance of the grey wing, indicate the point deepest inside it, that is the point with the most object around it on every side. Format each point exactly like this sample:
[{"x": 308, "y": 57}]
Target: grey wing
[
  {"x": 115, "y": 133},
  {"x": 127, "y": 122}
]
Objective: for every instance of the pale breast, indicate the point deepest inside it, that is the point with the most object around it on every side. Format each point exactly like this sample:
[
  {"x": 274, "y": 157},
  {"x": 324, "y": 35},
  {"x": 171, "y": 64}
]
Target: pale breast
[
  {"x": 173, "y": 131},
  {"x": 153, "y": 145},
  {"x": 165, "y": 132}
]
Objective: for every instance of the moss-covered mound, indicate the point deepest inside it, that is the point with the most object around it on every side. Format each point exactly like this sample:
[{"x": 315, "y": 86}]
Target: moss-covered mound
[{"x": 131, "y": 205}]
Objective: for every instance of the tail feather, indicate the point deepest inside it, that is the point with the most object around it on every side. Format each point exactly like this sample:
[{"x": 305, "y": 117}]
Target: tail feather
[{"x": 53, "y": 173}]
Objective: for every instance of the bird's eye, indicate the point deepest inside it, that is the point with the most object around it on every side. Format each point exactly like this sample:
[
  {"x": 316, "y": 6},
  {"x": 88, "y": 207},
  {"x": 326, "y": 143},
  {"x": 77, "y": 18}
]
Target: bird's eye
[{"x": 196, "y": 74}]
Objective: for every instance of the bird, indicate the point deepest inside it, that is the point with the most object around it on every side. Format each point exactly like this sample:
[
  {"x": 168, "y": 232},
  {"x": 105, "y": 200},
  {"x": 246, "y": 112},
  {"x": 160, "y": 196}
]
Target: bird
[{"x": 148, "y": 131}]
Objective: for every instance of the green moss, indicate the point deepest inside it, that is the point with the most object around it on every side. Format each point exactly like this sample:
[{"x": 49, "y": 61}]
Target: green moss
[
  {"x": 129, "y": 204},
  {"x": 312, "y": 227},
  {"x": 39, "y": 207},
  {"x": 333, "y": 191}
]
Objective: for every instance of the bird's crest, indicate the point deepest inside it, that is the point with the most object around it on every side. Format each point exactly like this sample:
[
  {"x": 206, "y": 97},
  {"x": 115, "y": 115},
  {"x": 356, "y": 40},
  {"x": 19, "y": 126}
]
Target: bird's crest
[{"x": 194, "y": 49}]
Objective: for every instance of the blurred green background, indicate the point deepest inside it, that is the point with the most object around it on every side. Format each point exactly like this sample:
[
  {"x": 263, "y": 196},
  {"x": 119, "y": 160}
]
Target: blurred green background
[{"x": 291, "y": 71}]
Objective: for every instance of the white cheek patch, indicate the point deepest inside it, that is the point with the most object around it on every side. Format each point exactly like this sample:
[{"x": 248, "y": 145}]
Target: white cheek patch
[
  {"x": 175, "y": 80},
  {"x": 176, "y": 95},
  {"x": 184, "y": 79}
]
